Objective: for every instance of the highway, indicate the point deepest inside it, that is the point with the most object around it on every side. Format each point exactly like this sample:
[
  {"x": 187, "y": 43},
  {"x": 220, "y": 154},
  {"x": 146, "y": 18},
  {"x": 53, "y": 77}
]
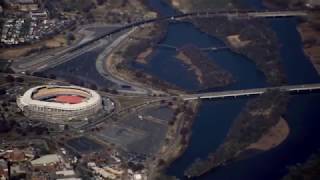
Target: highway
[
  {"x": 34, "y": 65},
  {"x": 249, "y": 92},
  {"x": 43, "y": 61},
  {"x": 100, "y": 66}
]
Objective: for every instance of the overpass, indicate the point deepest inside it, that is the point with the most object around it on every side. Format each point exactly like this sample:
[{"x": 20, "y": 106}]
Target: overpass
[{"x": 249, "y": 92}]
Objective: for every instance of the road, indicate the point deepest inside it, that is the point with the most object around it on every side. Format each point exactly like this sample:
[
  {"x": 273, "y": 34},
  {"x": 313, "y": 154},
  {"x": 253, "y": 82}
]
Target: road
[
  {"x": 35, "y": 63},
  {"x": 114, "y": 36},
  {"x": 39, "y": 64},
  {"x": 248, "y": 92}
]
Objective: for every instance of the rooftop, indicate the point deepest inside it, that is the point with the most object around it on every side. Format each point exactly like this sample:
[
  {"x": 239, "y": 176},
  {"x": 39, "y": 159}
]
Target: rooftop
[{"x": 46, "y": 159}]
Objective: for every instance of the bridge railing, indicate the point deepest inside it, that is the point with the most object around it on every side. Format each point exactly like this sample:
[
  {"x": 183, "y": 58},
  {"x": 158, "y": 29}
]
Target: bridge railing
[{"x": 248, "y": 92}]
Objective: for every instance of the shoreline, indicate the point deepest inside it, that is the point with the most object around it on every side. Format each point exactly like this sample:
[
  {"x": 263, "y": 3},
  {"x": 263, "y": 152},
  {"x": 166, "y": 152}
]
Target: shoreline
[
  {"x": 308, "y": 33},
  {"x": 119, "y": 63},
  {"x": 179, "y": 133},
  {"x": 268, "y": 62},
  {"x": 273, "y": 138},
  {"x": 208, "y": 73},
  {"x": 312, "y": 51},
  {"x": 262, "y": 114},
  {"x": 178, "y": 141},
  {"x": 197, "y": 71}
]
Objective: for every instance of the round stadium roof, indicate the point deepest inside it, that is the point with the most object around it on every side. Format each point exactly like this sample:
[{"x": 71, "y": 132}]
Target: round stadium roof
[{"x": 60, "y": 97}]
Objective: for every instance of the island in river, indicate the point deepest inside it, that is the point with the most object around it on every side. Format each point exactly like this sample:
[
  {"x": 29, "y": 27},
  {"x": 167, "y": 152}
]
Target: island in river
[
  {"x": 252, "y": 38},
  {"x": 208, "y": 73},
  {"x": 259, "y": 127},
  {"x": 255, "y": 40},
  {"x": 308, "y": 170}
]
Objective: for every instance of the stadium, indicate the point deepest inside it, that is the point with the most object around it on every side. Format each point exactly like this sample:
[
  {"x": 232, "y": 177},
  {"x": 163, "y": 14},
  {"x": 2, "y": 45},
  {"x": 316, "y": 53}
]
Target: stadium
[{"x": 59, "y": 104}]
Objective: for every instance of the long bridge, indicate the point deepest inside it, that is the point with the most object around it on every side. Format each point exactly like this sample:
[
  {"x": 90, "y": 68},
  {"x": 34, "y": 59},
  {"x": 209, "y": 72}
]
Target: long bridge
[
  {"x": 249, "y": 92},
  {"x": 257, "y": 14}
]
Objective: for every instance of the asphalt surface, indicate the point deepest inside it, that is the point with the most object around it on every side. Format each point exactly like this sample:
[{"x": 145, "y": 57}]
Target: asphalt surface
[{"x": 56, "y": 57}]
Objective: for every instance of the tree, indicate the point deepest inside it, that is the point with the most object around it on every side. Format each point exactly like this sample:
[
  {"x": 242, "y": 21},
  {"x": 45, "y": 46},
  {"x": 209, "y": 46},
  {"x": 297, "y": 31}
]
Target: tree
[
  {"x": 20, "y": 79},
  {"x": 113, "y": 91},
  {"x": 52, "y": 76},
  {"x": 171, "y": 123},
  {"x": 106, "y": 89},
  {"x": 184, "y": 131},
  {"x": 101, "y": 2},
  {"x": 138, "y": 74},
  {"x": 2, "y": 91},
  {"x": 93, "y": 87},
  {"x": 10, "y": 78},
  {"x": 161, "y": 162},
  {"x": 70, "y": 37},
  {"x": 183, "y": 141}
]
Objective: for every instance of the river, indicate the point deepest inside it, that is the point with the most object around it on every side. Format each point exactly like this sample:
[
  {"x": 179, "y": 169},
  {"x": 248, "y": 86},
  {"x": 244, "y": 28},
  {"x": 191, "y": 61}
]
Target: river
[
  {"x": 215, "y": 117},
  {"x": 81, "y": 70}
]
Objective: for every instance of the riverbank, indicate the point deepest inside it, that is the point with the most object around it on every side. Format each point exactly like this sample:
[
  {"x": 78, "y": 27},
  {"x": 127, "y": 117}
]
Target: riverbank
[
  {"x": 309, "y": 29},
  {"x": 308, "y": 170},
  {"x": 255, "y": 40},
  {"x": 274, "y": 137},
  {"x": 208, "y": 73},
  {"x": 177, "y": 140},
  {"x": 255, "y": 127},
  {"x": 56, "y": 42},
  {"x": 311, "y": 38},
  {"x": 121, "y": 63}
]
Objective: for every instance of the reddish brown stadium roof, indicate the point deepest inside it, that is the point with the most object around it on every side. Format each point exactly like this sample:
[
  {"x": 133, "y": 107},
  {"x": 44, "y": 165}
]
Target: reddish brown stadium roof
[{"x": 69, "y": 99}]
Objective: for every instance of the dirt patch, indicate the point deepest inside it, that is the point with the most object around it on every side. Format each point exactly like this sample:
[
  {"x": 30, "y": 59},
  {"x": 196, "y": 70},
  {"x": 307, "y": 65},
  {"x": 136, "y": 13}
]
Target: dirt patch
[
  {"x": 13, "y": 53},
  {"x": 143, "y": 57},
  {"x": 310, "y": 37},
  {"x": 208, "y": 73},
  {"x": 236, "y": 42},
  {"x": 192, "y": 67},
  {"x": 274, "y": 137},
  {"x": 58, "y": 41}
]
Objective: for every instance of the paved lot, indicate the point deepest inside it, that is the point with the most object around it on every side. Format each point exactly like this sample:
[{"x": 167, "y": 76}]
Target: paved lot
[
  {"x": 83, "y": 145},
  {"x": 136, "y": 134}
]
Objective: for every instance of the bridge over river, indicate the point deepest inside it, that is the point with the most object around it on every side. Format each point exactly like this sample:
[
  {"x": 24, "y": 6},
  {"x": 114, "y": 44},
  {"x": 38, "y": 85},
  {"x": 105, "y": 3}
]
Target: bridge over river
[{"x": 249, "y": 92}]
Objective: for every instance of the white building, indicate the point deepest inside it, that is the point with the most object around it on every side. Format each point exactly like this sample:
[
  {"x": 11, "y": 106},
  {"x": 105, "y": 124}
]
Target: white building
[{"x": 59, "y": 104}]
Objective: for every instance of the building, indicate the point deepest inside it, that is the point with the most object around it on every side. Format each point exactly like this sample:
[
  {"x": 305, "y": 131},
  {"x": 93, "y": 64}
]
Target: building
[
  {"x": 66, "y": 174},
  {"x": 38, "y": 15},
  {"x": 16, "y": 155},
  {"x": 18, "y": 171},
  {"x": 47, "y": 163},
  {"x": 59, "y": 104},
  {"x": 3, "y": 170},
  {"x": 23, "y": 5}
]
